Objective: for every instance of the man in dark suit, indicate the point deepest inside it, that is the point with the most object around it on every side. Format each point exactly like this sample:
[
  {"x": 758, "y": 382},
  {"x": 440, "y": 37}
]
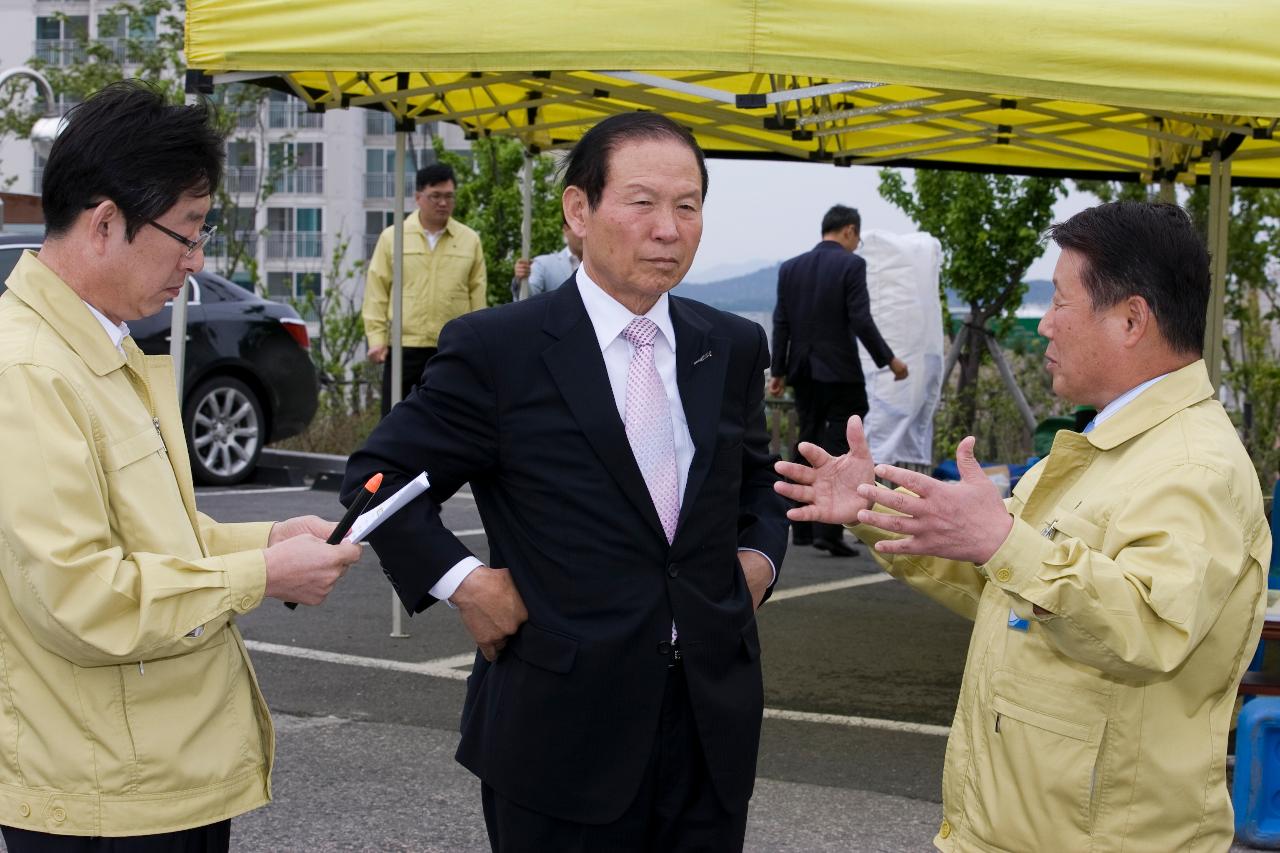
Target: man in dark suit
[
  {"x": 614, "y": 440},
  {"x": 822, "y": 312}
]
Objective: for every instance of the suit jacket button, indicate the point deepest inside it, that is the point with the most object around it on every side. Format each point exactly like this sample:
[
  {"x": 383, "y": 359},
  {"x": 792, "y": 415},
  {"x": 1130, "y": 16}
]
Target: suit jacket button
[
  {"x": 664, "y": 648},
  {"x": 673, "y": 570}
]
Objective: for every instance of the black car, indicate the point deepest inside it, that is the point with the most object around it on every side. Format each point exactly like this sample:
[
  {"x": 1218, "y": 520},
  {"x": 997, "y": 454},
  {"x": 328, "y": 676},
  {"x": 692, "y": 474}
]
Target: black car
[{"x": 248, "y": 377}]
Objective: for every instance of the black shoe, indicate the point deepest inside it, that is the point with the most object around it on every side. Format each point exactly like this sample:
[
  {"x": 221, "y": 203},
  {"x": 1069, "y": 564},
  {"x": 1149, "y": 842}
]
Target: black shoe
[
  {"x": 835, "y": 548},
  {"x": 802, "y": 540}
]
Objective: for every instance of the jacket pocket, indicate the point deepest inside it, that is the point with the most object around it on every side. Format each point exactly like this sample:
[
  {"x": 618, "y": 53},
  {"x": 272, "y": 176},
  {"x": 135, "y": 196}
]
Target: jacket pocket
[
  {"x": 545, "y": 649},
  {"x": 123, "y": 453},
  {"x": 1034, "y": 769},
  {"x": 1077, "y": 527}
]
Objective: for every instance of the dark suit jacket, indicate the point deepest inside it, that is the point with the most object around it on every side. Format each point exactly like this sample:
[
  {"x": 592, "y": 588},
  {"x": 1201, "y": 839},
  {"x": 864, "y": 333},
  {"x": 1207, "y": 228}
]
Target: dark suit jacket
[
  {"x": 518, "y": 404},
  {"x": 822, "y": 311}
]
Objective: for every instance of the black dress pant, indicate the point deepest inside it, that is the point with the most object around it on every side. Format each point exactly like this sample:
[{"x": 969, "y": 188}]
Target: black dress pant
[
  {"x": 823, "y": 410},
  {"x": 414, "y": 362},
  {"x": 212, "y": 838},
  {"x": 675, "y": 811}
]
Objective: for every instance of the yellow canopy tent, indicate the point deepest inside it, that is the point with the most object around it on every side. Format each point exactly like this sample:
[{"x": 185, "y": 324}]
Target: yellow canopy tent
[
  {"x": 1136, "y": 89},
  {"x": 1152, "y": 90}
]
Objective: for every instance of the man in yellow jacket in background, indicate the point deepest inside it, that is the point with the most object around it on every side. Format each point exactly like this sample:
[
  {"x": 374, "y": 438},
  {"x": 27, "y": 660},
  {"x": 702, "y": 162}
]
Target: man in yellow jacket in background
[
  {"x": 129, "y": 712},
  {"x": 1117, "y": 596},
  {"x": 444, "y": 277}
]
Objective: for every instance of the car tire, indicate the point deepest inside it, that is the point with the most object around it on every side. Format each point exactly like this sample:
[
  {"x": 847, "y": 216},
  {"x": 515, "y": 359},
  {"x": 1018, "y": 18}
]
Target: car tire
[{"x": 225, "y": 429}]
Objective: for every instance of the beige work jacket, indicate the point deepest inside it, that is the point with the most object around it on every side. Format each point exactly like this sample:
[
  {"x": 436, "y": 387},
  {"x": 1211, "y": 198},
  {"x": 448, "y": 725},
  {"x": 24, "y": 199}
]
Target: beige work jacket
[
  {"x": 1103, "y": 727},
  {"x": 128, "y": 704},
  {"x": 439, "y": 284}
]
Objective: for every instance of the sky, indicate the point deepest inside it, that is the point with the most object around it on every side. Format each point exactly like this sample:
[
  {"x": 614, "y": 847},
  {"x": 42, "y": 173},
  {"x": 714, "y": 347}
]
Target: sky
[{"x": 758, "y": 213}]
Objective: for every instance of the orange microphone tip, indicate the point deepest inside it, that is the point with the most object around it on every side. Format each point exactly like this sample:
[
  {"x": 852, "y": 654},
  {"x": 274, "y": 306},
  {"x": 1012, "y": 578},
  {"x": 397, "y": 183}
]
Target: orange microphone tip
[{"x": 373, "y": 483}]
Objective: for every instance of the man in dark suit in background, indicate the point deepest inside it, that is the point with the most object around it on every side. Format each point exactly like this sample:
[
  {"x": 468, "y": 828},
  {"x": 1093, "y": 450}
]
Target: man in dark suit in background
[
  {"x": 822, "y": 312},
  {"x": 615, "y": 443}
]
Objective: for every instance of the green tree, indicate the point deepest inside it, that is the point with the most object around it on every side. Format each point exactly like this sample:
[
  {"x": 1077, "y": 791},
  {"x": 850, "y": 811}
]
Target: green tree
[
  {"x": 990, "y": 227},
  {"x": 1252, "y": 311},
  {"x": 489, "y": 201}
]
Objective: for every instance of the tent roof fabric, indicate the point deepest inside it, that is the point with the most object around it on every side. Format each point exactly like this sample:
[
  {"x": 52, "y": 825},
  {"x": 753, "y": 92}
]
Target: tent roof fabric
[{"x": 1131, "y": 90}]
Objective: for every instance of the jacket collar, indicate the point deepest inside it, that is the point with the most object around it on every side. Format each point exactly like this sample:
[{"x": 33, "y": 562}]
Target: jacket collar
[
  {"x": 412, "y": 224},
  {"x": 830, "y": 245},
  {"x": 57, "y": 304},
  {"x": 1179, "y": 390}
]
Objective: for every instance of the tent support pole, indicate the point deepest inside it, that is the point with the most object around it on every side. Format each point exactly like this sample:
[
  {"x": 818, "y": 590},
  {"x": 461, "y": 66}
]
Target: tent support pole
[
  {"x": 526, "y": 217},
  {"x": 397, "y": 324},
  {"x": 178, "y": 315},
  {"x": 1219, "y": 210}
]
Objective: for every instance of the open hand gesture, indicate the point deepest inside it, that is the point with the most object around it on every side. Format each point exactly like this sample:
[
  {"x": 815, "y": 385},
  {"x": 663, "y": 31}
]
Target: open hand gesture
[{"x": 829, "y": 489}]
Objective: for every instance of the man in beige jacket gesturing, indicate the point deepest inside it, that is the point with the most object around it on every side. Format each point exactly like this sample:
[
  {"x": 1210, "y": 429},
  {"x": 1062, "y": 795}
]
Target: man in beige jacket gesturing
[
  {"x": 129, "y": 712},
  {"x": 1117, "y": 596}
]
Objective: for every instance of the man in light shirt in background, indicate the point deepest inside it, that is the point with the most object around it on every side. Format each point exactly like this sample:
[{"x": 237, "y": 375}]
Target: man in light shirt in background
[{"x": 549, "y": 271}]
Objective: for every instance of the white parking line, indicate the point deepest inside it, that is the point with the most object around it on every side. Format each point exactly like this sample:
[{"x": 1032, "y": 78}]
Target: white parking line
[
  {"x": 830, "y": 586},
  {"x": 273, "y": 490},
  {"x": 449, "y": 668},
  {"x": 440, "y": 668},
  {"x": 856, "y": 722}
]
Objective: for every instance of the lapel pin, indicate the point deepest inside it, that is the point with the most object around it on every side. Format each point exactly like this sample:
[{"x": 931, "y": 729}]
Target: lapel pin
[{"x": 706, "y": 355}]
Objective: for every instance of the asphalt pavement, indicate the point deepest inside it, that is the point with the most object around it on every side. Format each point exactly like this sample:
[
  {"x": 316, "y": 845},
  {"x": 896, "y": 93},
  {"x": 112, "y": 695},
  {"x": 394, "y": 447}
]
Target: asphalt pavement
[{"x": 861, "y": 677}]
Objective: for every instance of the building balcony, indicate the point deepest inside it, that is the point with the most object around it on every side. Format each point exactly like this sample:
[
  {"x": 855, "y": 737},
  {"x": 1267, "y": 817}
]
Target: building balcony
[
  {"x": 305, "y": 180},
  {"x": 382, "y": 185},
  {"x": 378, "y": 123},
  {"x": 247, "y": 118},
  {"x": 119, "y": 47},
  {"x": 245, "y": 244},
  {"x": 59, "y": 52},
  {"x": 242, "y": 180},
  {"x": 290, "y": 116},
  {"x": 295, "y": 244}
]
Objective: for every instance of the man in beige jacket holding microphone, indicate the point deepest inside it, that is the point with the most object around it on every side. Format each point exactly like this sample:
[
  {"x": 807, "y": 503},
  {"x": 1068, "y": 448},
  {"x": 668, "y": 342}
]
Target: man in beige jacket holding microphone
[{"x": 129, "y": 712}]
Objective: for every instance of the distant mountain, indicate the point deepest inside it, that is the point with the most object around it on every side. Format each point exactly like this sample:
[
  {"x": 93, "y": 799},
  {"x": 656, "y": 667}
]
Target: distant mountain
[
  {"x": 1035, "y": 301},
  {"x": 755, "y": 291},
  {"x": 722, "y": 272},
  {"x": 758, "y": 290}
]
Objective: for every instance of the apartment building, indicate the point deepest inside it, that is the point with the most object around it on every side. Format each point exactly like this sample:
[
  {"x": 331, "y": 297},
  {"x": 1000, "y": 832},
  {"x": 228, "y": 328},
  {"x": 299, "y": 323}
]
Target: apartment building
[{"x": 301, "y": 184}]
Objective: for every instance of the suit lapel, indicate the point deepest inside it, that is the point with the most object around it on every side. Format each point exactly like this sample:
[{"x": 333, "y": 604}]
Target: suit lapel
[
  {"x": 701, "y": 363},
  {"x": 577, "y": 367}
]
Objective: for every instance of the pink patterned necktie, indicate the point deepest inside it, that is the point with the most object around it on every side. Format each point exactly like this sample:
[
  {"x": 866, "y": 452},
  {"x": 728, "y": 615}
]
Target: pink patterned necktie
[{"x": 648, "y": 422}]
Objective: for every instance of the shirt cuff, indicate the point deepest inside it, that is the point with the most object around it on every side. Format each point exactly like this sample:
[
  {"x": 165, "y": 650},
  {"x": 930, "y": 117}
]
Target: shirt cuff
[
  {"x": 448, "y": 585},
  {"x": 772, "y": 567}
]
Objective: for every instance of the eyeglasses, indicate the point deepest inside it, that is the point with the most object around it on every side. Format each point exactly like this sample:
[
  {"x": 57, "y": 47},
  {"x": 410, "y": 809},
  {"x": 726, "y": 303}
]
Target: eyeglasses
[
  {"x": 206, "y": 234},
  {"x": 439, "y": 198}
]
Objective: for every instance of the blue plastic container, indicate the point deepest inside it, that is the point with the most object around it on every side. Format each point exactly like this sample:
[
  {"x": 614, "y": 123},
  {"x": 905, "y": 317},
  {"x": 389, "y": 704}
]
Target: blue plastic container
[{"x": 1255, "y": 791}]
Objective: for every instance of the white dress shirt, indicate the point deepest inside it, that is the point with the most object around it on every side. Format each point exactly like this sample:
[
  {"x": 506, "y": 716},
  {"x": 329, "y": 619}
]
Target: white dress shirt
[
  {"x": 609, "y": 317},
  {"x": 115, "y": 331},
  {"x": 1123, "y": 400}
]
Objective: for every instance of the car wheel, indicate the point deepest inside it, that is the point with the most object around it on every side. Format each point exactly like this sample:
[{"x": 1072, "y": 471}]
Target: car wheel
[{"x": 224, "y": 425}]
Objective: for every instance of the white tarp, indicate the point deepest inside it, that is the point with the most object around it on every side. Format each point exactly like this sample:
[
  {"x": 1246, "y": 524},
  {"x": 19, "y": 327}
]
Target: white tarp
[{"x": 902, "y": 277}]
